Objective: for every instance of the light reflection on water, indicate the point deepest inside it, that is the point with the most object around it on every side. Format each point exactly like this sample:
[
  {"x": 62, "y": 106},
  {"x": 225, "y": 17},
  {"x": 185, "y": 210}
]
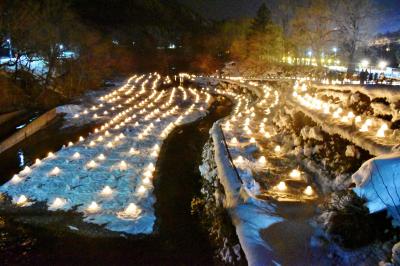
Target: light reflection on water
[{"x": 21, "y": 158}]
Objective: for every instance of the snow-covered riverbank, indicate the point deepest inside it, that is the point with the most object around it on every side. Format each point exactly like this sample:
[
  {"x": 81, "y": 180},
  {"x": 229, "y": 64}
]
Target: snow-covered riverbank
[
  {"x": 256, "y": 150},
  {"x": 108, "y": 176}
]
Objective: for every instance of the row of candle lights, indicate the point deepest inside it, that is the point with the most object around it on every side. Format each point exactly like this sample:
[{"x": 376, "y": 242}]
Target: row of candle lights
[{"x": 120, "y": 120}]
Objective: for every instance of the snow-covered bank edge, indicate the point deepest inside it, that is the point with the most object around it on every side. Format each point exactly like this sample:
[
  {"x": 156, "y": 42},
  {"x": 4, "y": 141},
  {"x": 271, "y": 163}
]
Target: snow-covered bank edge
[{"x": 249, "y": 215}]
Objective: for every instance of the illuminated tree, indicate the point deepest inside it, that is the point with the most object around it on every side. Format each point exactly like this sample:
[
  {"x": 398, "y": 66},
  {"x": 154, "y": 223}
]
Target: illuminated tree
[{"x": 314, "y": 28}]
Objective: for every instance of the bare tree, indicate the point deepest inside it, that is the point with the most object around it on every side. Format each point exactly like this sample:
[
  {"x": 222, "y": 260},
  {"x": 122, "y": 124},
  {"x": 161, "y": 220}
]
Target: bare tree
[
  {"x": 18, "y": 21},
  {"x": 313, "y": 27},
  {"x": 356, "y": 23}
]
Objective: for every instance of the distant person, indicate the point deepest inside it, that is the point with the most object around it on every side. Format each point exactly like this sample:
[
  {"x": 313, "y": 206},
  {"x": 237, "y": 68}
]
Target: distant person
[
  {"x": 362, "y": 77},
  {"x": 370, "y": 77},
  {"x": 376, "y": 77},
  {"x": 382, "y": 77}
]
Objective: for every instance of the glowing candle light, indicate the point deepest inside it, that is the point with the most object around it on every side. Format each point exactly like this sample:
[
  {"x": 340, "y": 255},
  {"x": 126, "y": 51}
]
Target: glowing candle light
[
  {"x": 267, "y": 135},
  {"x": 381, "y": 131},
  {"x": 295, "y": 174},
  {"x": 93, "y": 207},
  {"x": 364, "y": 127},
  {"x": 21, "y": 201},
  {"x": 106, "y": 191},
  {"x": 16, "y": 179},
  {"x": 142, "y": 190},
  {"x": 277, "y": 148},
  {"x": 57, "y": 203},
  {"x": 50, "y": 155},
  {"x": 281, "y": 186},
  {"x": 76, "y": 156},
  {"x": 131, "y": 211},
  {"x": 92, "y": 164},
  {"x": 101, "y": 157},
  {"x": 345, "y": 119},
  {"x": 110, "y": 145},
  {"x": 146, "y": 181},
  {"x": 26, "y": 170},
  {"x": 133, "y": 151},
  {"x": 123, "y": 166},
  {"x": 234, "y": 141},
  {"x": 81, "y": 138},
  {"x": 308, "y": 191},
  {"x": 37, "y": 162},
  {"x": 55, "y": 172},
  {"x": 70, "y": 144},
  {"x": 262, "y": 161},
  {"x": 148, "y": 174},
  {"x": 92, "y": 144},
  {"x": 151, "y": 167},
  {"x": 252, "y": 140},
  {"x": 357, "y": 119}
]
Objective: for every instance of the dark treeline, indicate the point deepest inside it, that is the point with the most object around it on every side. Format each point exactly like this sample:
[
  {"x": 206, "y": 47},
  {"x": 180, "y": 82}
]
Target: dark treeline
[
  {"x": 61, "y": 48},
  {"x": 105, "y": 38}
]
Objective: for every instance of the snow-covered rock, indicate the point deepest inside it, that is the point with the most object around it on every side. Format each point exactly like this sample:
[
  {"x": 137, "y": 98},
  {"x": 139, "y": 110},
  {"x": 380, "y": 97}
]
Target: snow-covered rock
[
  {"x": 396, "y": 254},
  {"x": 351, "y": 151},
  {"x": 311, "y": 133},
  {"x": 377, "y": 181}
]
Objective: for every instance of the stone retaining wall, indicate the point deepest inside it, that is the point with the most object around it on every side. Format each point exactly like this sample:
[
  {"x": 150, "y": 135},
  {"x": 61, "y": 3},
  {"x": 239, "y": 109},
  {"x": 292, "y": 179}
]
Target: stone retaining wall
[{"x": 29, "y": 130}]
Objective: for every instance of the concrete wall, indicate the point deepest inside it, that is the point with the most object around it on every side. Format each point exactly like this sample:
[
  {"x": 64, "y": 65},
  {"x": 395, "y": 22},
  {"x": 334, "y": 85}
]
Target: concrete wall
[{"x": 29, "y": 130}]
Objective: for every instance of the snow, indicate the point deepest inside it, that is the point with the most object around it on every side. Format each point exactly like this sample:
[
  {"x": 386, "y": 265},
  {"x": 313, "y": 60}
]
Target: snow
[
  {"x": 107, "y": 176},
  {"x": 391, "y": 93},
  {"x": 376, "y": 181},
  {"x": 70, "y": 110},
  {"x": 311, "y": 133},
  {"x": 365, "y": 140},
  {"x": 249, "y": 214},
  {"x": 37, "y": 65}
]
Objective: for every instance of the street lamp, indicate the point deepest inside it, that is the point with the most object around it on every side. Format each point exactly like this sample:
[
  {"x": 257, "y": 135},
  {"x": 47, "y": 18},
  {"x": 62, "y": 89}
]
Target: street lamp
[
  {"x": 364, "y": 63},
  {"x": 382, "y": 65},
  {"x": 309, "y": 53},
  {"x": 334, "y": 49}
]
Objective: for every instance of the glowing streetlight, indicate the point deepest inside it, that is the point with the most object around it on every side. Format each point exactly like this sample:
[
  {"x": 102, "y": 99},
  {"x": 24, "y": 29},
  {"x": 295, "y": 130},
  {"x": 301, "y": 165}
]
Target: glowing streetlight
[
  {"x": 382, "y": 65},
  {"x": 364, "y": 63}
]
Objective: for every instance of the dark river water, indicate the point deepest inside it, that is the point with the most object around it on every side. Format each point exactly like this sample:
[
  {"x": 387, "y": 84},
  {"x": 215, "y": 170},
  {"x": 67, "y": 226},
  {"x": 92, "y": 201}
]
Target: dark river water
[{"x": 179, "y": 238}]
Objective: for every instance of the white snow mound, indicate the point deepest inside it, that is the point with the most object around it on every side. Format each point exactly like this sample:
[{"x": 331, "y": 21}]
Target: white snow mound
[{"x": 378, "y": 181}]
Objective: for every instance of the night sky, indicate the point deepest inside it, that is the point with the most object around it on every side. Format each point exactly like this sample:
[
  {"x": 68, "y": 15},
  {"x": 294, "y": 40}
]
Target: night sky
[{"x": 389, "y": 10}]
